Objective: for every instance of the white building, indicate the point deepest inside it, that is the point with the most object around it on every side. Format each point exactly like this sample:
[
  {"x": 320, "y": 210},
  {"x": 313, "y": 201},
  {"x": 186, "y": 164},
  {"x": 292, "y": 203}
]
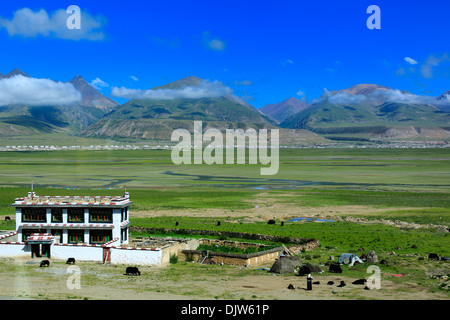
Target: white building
[
  {"x": 85, "y": 228},
  {"x": 72, "y": 220}
]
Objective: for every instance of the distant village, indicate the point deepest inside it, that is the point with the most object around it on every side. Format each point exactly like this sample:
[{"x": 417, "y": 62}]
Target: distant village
[{"x": 397, "y": 144}]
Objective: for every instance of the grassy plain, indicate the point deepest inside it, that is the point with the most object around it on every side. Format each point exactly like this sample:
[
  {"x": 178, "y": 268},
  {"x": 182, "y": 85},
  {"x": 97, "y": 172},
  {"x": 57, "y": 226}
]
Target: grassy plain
[{"x": 409, "y": 185}]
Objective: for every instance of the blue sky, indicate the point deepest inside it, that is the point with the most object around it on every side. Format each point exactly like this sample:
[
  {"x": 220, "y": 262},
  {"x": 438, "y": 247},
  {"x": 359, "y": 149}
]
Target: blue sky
[{"x": 266, "y": 51}]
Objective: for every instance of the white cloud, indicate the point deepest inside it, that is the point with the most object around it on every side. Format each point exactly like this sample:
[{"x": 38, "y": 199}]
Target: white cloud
[
  {"x": 300, "y": 93},
  {"x": 216, "y": 44},
  {"x": 98, "y": 84},
  {"x": 242, "y": 83},
  {"x": 206, "y": 89},
  {"x": 410, "y": 60},
  {"x": 134, "y": 78},
  {"x": 287, "y": 62},
  {"x": 213, "y": 43},
  {"x": 343, "y": 97},
  {"x": 380, "y": 96},
  {"x": 36, "y": 92},
  {"x": 432, "y": 62},
  {"x": 28, "y": 23}
]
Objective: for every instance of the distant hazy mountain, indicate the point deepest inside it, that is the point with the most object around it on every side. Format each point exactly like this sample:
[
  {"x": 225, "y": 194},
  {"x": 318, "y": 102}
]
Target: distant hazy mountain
[
  {"x": 91, "y": 97},
  {"x": 348, "y": 113},
  {"x": 362, "y": 89},
  {"x": 15, "y": 72},
  {"x": 444, "y": 101},
  {"x": 25, "y": 120},
  {"x": 446, "y": 93},
  {"x": 156, "y": 119},
  {"x": 190, "y": 81},
  {"x": 283, "y": 110}
]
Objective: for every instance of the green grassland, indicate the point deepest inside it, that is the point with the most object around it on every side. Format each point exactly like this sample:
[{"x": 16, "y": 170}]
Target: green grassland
[
  {"x": 410, "y": 185},
  {"x": 362, "y": 169},
  {"x": 380, "y": 178}
]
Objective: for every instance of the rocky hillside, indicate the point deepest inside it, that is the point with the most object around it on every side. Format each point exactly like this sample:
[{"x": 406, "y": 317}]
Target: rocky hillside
[
  {"x": 285, "y": 109},
  {"x": 368, "y": 111}
]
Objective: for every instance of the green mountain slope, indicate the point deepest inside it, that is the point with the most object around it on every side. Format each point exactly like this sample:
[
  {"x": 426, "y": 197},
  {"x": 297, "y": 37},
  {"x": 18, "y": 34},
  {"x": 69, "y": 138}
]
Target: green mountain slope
[
  {"x": 156, "y": 119},
  {"x": 365, "y": 121}
]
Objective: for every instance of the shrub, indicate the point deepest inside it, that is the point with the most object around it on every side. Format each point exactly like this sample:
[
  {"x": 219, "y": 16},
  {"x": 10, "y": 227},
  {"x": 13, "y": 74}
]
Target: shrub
[{"x": 173, "y": 258}]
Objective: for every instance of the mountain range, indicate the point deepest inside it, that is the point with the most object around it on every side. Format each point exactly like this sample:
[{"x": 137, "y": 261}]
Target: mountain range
[
  {"x": 373, "y": 111},
  {"x": 22, "y": 119},
  {"x": 157, "y": 119},
  {"x": 285, "y": 109},
  {"x": 361, "y": 112}
]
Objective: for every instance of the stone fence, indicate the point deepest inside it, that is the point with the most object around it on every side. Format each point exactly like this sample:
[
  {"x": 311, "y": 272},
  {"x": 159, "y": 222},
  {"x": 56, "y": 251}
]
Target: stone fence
[{"x": 295, "y": 245}]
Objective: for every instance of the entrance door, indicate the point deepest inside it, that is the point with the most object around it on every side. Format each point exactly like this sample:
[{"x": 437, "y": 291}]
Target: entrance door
[
  {"x": 106, "y": 255},
  {"x": 35, "y": 250},
  {"x": 46, "y": 250}
]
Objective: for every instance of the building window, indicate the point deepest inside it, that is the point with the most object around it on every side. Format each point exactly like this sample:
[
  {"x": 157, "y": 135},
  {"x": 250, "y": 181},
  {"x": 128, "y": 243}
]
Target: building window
[
  {"x": 100, "y": 215},
  {"x": 57, "y": 215},
  {"x": 100, "y": 236},
  {"x": 58, "y": 234},
  {"x": 34, "y": 215},
  {"x": 124, "y": 213},
  {"x": 27, "y": 232},
  {"x": 75, "y": 215},
  {"x": 124, "y": 234},
  {"x": 76, "y": 236}
]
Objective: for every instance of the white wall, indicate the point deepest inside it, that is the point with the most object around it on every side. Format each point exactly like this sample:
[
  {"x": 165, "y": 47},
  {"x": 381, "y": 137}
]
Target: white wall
[
  {"x": 116, "y": 222},
  {"x": 77, "y": 252},
  {"x": 89, "y": 253},
  {"x": 14, "y": 250},
  {"x": 135, "y": 257}
]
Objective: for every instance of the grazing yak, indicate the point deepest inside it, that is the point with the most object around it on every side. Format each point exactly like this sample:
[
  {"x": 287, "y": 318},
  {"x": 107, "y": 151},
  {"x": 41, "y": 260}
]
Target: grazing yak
[
  {"x": 335, "y": 267},
  {"x": 70, "y": 261},
  {"x": 45, "y": 263},
  {"x": 132, "y": 271}
]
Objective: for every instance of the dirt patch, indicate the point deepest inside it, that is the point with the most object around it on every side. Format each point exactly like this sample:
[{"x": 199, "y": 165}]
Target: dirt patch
[
  {"x": 284, "y": 211},
  {"x": 184, "y": 282}
]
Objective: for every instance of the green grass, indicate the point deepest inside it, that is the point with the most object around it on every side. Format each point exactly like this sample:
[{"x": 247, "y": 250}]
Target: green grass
[
  {"x": 343, "y": 235},
  {"x": 393, "y": 179},
  {"x": 384, "y": 181},
  {"x": 385, "y": 199},
  {"x": 439, "y": 216},
  {"x": 385, "y": 169},
  {"x": 148, "y": 199}
]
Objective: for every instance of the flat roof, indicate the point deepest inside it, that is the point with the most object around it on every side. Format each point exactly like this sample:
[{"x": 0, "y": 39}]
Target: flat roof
[{"x": 72, "y": 201}]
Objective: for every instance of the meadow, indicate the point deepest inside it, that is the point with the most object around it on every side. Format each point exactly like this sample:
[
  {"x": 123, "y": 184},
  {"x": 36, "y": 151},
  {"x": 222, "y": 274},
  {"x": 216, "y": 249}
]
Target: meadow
[
  {"x": 391, "y": 179},
  {"x": 409, "y": 185}
]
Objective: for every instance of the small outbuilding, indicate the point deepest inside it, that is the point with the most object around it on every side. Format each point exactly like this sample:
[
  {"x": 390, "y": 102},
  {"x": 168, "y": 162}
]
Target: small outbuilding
[{"x": 286, "y": 264}]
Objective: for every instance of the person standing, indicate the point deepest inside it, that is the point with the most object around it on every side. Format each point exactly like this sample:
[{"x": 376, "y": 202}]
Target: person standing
[{"x": 309, "y": 280}]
